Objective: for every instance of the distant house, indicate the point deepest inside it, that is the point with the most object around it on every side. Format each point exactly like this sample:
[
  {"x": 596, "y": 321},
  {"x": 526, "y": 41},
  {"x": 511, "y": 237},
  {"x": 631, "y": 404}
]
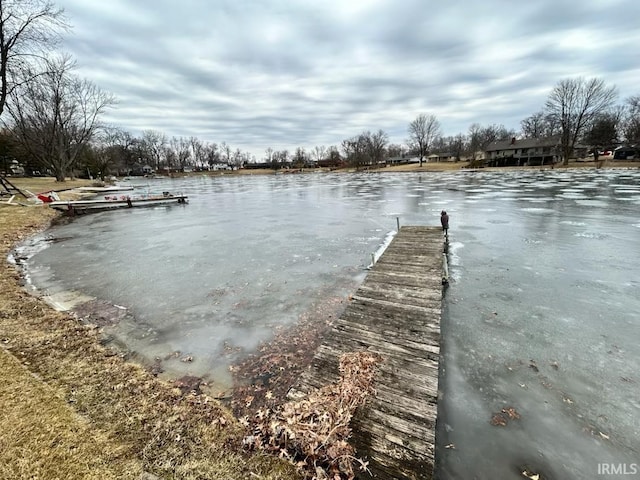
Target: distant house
[
  {"x": 137, "y": 169},
  {"x": 441, "y": 157},
  {"x": 247, "y": 166},
  {"x": 397, "y": 160},
  {"x": 331, "y": 163},
  {"x": 529, "y": 151},
  {"x": 526, "y": 151},
  {"x": 15, "y": 168},
  {"x": 625, "y": 153},
  {"x": 224, "y": 166},
  {"x": 401, "y": 160}
]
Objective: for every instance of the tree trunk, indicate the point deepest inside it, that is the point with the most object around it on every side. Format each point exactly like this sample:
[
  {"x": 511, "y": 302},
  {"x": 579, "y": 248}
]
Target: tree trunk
[
  {"x": 59, "y": 173},
  {"x": 566, "y": 153}
]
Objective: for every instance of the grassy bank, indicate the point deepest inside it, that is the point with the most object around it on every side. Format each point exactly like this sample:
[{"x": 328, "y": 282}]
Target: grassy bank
[
  {"x": 72, "y": 408},
  {"x": 430, "y": 167}
]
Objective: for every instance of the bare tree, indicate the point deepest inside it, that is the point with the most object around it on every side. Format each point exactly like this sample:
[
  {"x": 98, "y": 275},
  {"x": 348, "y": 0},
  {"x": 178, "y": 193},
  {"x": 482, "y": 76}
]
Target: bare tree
[
  {"x": 422, "y": 132},
  {"x": 475, "y": 140},
  {"x": 631, "y": 122},
  {"x": 540, "y": 125},
  {"x": 493, "y": 133},
  {"x": 212, "y": 154},
  {"x": 181, "y": 148},
  {"x": 110, "y": 151},
  {"x": 284, "y": 156},
  {"x": 532, "y": 126},
  {"x": 376, "y": 145},
  {"x": 575, "y": 103},
  {"x": 333, "y": 156},
  {"x": 319, "y": 152},
  {"x": 56, "y": 114},
  {"x": 300, "y": 157},
  {"x": 154, "y": 144},
  {"x": 454, "y": 145},
  {"x": 395, "y": 150},
  {"x": 199, "y": 151},
  {"x": 226, "y": 151},
  {"x": 127, "y": 144},
  {"x": 27, "y": 29},
  {"x": 279, "y": 159},
  {"x": 269, "y": 154},
  {"x": 355, "y": 150},
  {"x": 457, "y": 146},
  {"x": 480, "y": 137},
  {"x": 170, "y": 157},
  {"x": 238, "y": 158}
]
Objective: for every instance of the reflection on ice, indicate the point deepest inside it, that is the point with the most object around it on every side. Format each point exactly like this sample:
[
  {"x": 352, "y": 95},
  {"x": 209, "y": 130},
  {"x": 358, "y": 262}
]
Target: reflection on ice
[
  {"x": 537, "y": 210},
  {"x": 592, "y": 203},
  {"x": 597, "y": 236},
  {"x": 572, "y": 222}
]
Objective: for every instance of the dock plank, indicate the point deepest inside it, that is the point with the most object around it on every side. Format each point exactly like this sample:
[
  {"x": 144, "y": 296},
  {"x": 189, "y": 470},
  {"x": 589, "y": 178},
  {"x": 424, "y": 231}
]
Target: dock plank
[{"x": 395, "y": 313}]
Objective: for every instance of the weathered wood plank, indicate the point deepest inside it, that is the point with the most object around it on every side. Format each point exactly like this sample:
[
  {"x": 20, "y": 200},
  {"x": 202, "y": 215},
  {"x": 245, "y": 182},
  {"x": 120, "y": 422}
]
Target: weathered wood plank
[
  {"x": 396, "y": 313},
  {"x": 409, "y": 279}
]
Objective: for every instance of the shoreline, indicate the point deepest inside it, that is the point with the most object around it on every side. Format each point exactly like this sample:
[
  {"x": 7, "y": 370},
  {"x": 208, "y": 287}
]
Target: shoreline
[
  {"x": 272, "y": 355},
  {"x": 434, "y": 167},
  {"x": 152, "y": 427}
]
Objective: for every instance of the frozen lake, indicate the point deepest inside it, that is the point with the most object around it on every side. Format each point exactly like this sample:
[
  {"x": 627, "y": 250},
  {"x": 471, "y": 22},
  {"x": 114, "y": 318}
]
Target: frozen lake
[{"x": 542, "y": 314}]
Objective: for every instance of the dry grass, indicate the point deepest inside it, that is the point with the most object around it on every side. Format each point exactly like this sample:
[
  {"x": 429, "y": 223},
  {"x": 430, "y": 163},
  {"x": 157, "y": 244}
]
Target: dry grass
[
  {"x": 42, "y": 437},
  {"x": 426, "y": 167},
  {"x": 79, "y": 410},
  {"x": 453, "y": 166}
]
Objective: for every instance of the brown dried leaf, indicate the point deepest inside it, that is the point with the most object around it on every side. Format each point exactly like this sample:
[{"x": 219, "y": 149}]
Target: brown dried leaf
[
  {"x": 511, "y": 413},
  {"x": 499, "y": 420}
]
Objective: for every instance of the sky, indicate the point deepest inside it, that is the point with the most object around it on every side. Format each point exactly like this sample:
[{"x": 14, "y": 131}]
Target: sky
[{"x": 300, "y": 73}]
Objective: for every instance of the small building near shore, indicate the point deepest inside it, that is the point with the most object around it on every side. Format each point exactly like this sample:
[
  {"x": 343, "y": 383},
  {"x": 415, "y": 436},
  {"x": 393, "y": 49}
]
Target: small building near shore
[
  {"x": 402, "y": 160},
  {"x": 521, "y": 152},
  {"x": 15, "y": 168},
  {"x": 441, "y": 157}
]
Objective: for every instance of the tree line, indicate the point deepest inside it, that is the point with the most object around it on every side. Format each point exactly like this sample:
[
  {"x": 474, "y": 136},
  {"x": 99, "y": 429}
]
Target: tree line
[{"x": 52, "y": 118}]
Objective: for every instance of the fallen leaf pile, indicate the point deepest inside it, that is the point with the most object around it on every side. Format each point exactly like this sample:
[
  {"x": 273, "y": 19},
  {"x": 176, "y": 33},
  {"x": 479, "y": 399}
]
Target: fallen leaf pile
[
  {"x": 262, "y": 380},
  {"x": 313, "y": 433},
  {"x": 502, "y": 418}
]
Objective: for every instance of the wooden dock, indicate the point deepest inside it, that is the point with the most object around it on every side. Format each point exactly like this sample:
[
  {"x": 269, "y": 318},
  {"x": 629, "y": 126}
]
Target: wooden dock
[
  {"x": 396, "y": 313},
  {"x": 77, "y": 207}
]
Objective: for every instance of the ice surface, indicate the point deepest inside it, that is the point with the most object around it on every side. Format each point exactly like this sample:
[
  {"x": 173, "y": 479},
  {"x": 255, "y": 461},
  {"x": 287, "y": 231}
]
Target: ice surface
[{"x": 541, "y": 314}]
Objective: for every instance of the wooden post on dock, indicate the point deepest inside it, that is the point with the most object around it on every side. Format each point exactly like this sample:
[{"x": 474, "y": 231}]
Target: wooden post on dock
[{"x": 395, "y": 313}]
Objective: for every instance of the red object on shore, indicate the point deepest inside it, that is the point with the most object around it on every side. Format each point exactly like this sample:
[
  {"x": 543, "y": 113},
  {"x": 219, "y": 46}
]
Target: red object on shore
[{"x": 45, "y": 197}]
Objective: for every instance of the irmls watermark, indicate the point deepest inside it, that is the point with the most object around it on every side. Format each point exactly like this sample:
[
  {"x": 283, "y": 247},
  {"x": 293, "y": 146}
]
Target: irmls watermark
[{"x": 619, "y": 469}]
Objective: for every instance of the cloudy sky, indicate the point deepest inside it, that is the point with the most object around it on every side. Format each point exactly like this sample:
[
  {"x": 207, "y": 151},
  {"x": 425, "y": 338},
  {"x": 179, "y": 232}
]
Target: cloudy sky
[{"x": 288, "y": 73}]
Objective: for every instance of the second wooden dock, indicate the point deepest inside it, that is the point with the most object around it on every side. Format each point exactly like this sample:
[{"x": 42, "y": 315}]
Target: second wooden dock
[{"x": 395, "y": 313}]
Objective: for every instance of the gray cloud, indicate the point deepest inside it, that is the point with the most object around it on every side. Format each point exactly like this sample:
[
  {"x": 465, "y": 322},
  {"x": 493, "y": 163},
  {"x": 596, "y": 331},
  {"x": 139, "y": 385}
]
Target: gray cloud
[{"x": 283, "y": 74}]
